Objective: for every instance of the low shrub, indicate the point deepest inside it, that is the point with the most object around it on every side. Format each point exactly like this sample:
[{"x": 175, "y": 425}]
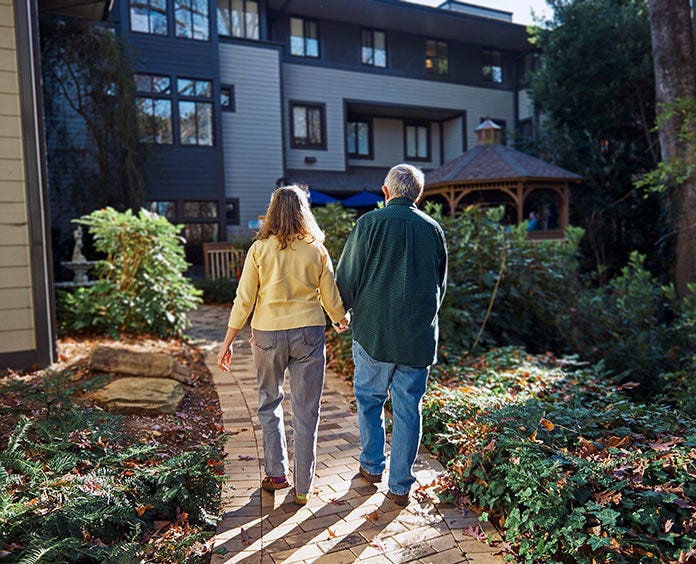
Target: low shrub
[
  {"x": 571, "y": 469},
  {"x": 141, "y": 287},
  {"x": 219, "y": 291}
]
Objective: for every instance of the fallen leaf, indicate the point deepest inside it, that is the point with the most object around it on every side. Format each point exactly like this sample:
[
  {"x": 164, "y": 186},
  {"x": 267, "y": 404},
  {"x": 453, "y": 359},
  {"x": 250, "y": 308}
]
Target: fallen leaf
[
  {"x": 373, "y": 516},
  {"x": 546, "y": 424},
  {"x": 377, "y": 543},
  {"x": 337, "y": 501},
  {"x": 331, "y": 534},
  {"x": 246, "y": 539},
  {"x": 477, "y": 533},
  {"x": 246, "y": 457},
  {"x": 668, "y": 525}
]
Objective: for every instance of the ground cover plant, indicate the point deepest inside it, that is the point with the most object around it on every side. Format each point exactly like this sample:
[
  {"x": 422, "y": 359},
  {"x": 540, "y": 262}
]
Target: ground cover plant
[
  {"x": 78, "y": 484},
  {"x": 570, "y": 467}
]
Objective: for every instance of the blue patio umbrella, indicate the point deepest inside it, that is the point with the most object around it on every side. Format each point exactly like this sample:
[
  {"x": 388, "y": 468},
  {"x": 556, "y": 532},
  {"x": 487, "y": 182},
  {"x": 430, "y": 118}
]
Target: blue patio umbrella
[
  {"x": 362, "y": 199},
  {"x": 316, "y": 197}
]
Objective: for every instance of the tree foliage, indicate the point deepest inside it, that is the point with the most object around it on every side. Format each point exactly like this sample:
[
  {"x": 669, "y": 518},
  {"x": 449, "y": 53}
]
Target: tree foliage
[
  {"x": 94, "y": 158},
  {"x": 598, "y": 107}
]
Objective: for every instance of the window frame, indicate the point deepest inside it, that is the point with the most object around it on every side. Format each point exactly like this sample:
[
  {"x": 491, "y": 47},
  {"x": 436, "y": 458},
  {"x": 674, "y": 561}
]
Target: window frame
[
  {"x": 322, "y": 113},
  {"x": 154, "y": 95},
  {"x": 432, "y": 70},
  {"x": 306, "y": 22},
  {"x": 245, "y": 22},
  {"x": 484, "y": 59},
  {"x": 417, "y": 124},
  {"x": 198, "y": 100},
  {"x": 372, "y": 33},
  {"x": 232, "y": 107},
  {"x": 149, "y": 17},
  {"x": 190, "y": 8},
  {"x": 370, "y": 145}
]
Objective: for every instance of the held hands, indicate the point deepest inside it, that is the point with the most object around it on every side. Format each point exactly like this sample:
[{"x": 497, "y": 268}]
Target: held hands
[
  {"x": 343, "y": 324},
  {"x": 224, "y": 358}
]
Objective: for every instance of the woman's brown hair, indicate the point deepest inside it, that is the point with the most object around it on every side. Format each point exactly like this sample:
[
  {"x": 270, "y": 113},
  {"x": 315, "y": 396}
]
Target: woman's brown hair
[{"x": 289, "y": 217}]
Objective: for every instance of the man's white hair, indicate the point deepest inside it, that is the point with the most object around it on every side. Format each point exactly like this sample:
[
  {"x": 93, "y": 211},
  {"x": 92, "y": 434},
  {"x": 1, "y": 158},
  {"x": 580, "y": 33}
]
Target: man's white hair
[{"x": 405, "y": 181}]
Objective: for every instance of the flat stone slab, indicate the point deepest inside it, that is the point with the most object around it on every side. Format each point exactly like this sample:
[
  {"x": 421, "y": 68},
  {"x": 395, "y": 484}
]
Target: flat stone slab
[
  {"x": 141, "y": 396},
  {"x": 137, "y": 363}
]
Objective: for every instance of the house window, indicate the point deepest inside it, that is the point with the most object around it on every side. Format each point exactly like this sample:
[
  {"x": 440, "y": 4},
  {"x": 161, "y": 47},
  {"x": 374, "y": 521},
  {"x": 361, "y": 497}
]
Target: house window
[
  {"x": 232, "y": 211},
  {"x": 154, "y": 108},
  {"x": 200, "y": 209},
  {"x": 304, "y": 38},
  {"x": 191, "y": 19},
  {"x": 307, "y": 126},
  {"x": 195, "y": 111},
  {"x": 374, "y": 48},
  {"x": 165, "y": 208},
  {"x": 238, "y": 18},
  {"x": 417, "y": 142},
  {"x": 227, "y": 102},
  {"x": 436, "y": 60},
  {"x": 492, "y": 66},
  {"x": 149, "y": 16},
  {"x": 358, "y": 137}
]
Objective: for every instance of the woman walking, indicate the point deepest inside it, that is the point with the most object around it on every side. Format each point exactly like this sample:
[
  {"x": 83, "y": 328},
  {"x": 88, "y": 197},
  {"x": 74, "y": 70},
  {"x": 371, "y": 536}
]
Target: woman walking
[{"x": 287, "y": 277}]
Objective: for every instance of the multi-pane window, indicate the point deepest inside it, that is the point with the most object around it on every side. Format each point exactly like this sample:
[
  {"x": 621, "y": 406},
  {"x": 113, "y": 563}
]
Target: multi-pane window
[
  {"x": 304, "y": 38},
  {"x": 238, "y": 18},
  {"x": 436, "y": 59},
  {"x": 149, "y": 16},
  {"x": 154, "y": 106},
  {"x": 374, "y": 48},
  {"x": 191, "y": 19},
  {"x": 358, "y": 138},
  {"x": 492, "y": 66},
  {"x": 417, "y": 145},
  {"x": 195, "y": 111},
  {"x": 165, "y": 208},
  {"x": 307, "y": 125}
]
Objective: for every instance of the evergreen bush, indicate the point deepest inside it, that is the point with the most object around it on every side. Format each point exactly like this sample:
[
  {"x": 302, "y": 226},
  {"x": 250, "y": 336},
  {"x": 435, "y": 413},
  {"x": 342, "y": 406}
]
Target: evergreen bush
[{"x": 141, "y": 287}]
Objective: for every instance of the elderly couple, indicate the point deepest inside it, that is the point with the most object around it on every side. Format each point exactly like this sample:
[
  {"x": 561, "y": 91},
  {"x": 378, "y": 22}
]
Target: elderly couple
[{"x": 391, "y": 277}]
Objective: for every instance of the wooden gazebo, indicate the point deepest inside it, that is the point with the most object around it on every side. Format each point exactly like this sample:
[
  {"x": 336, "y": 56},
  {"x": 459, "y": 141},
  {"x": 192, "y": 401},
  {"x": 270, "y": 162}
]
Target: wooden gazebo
[{"x": 495, "y": 174}]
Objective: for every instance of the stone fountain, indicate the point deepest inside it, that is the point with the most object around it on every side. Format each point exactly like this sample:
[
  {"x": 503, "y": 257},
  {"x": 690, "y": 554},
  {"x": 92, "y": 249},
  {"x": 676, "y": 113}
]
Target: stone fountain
[{"x": 79, "y": 265}]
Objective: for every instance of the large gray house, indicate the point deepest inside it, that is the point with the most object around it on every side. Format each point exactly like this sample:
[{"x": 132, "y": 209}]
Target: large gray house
[{"x": 237, "y": 96}]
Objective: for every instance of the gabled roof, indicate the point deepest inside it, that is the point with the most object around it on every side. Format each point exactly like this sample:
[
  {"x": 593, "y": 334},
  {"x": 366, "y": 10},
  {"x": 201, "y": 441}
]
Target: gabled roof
[{"x": 496, "y": 162}]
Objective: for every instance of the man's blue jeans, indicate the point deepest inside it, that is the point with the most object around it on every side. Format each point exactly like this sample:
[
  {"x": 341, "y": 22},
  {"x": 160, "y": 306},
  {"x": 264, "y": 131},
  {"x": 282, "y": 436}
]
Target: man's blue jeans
[
  {"x": 302, "y": 352},
  {"x": 372, "y": 381}
]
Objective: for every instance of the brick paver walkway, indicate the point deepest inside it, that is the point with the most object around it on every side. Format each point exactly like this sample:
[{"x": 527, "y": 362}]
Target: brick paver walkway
[{"x": 347, "y": 520}]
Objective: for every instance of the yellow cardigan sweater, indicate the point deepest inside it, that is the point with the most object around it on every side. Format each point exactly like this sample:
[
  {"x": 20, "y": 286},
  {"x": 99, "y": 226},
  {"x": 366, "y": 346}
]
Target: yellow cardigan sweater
[{"x": 286, "y": 288}]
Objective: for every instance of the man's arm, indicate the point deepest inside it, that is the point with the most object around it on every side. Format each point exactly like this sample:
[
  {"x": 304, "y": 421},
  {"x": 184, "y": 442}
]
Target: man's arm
[{"x": 350, "y": 266}]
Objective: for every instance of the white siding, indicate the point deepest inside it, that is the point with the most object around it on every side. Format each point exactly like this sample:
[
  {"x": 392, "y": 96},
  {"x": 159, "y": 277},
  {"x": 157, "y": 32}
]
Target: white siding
[
  {"x": 332, "y": 87},
  {"x": 16, "y": 304},
  {"x": 453, "y": 136},
  {"x": 252, "y": 135},
  {"x": 524, "y": 104}
]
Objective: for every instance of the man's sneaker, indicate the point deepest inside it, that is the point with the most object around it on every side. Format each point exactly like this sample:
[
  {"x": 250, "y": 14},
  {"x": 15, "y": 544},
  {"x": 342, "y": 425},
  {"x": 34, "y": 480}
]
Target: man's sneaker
[
  {"x": 372, "y": 478},
  {"x": 400, "y": 499},
  {"x": 272, "y": 484}
]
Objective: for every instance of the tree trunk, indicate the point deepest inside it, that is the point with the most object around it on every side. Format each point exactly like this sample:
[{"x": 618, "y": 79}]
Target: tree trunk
[{"x": 675, "y": 78}]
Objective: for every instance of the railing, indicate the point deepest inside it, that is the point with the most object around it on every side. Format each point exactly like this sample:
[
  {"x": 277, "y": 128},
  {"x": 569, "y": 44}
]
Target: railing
[{"x": 222, "y": 260}]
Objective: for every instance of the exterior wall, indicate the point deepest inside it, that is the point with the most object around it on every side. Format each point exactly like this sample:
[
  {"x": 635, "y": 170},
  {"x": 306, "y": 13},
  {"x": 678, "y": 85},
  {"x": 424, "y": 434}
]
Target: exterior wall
[
  {"x": 524, "y": 105},
  {"x": 453, "y": 136},
  {"x": 252, "y": 134},
  {"x": 26, "y": 331},
  {"x": 16, "y": 304},
  {"x": 332, "y": 86}
]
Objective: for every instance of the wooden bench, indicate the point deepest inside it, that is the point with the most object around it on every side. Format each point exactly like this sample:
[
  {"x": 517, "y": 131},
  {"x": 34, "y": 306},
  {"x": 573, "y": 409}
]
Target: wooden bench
[{"x": 222, "y": 260}]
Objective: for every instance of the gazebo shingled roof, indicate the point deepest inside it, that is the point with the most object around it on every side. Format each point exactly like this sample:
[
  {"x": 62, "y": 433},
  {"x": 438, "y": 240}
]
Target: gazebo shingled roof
[{"x": 492, "y": 167}]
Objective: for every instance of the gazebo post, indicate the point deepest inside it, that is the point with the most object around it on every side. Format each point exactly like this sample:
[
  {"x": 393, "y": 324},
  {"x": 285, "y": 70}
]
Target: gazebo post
[
  {"x": 520, "y": 202},
  {"x": 565, "y": 205}
]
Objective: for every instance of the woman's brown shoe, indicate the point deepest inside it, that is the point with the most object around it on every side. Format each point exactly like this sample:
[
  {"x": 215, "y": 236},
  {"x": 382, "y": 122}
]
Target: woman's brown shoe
[{"x": 269, "y": 485}]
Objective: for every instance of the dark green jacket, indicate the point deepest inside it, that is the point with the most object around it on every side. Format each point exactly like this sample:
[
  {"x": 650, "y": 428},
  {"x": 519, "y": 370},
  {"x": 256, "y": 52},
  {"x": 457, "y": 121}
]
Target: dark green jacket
[{"x": 393, "y": 274}]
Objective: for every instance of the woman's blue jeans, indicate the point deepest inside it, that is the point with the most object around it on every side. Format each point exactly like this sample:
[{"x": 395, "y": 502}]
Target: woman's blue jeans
[
  {"x": 372, "y": 381},
  {"x": 302, "y": 352}
]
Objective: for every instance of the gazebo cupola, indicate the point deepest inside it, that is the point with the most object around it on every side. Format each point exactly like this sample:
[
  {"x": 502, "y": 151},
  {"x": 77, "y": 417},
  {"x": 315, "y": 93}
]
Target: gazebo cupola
[{"x": 493, "y": 174}]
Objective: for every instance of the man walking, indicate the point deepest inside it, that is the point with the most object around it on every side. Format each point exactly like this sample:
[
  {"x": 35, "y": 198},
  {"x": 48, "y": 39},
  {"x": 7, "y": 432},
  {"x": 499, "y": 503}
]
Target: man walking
[{"x": 393, "y": 274}]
